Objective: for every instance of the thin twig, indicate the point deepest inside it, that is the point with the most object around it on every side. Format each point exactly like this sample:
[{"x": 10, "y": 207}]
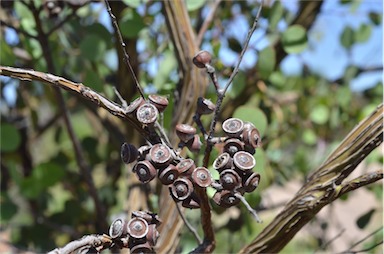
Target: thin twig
[
  {"x": 326, "y": 244},
  {"x": 62, "y": 22},
  {"x": 122, "y": 43},
  {"x": 245, "y": 47},
  {"x": 363, "y": 250},
  {"x": 18, "y": 30},
  {"x": 189, "y": 226},
  {"x": 221, "y": 94},
  {"x": 208, "y": 20},
  {"x": 362, "y": 240},
  {"x": 249, "y": 208}
]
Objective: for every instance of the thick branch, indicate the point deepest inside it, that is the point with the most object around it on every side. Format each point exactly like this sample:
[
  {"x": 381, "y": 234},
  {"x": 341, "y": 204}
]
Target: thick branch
[{"x": 324, "y": 185}]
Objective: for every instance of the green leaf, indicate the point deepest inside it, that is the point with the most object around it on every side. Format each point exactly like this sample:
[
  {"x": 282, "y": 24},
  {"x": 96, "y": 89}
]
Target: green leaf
[
  {"x": 375, "y": 18},
  {"x": 266, "y": 62},
  {"x": 238, "y": 85},
  {"x": 93, "y": 47},
  {"x": 194, "y": 4},
  {"x": 10, "y": 138},
  {"x": 167, "y": 64},
  {"x": 350, "y": 73},
  {"x": 134, "y": 3},
  {"x": 253, "y": 115},
  {"x": 294, "y": 39},
  {"x": 320, "y": 114},
  {"x": 277, "y": 78},
  {"x": 275, "y": 15},
  {"x": 363, "y": 220},
  {"x": 7, "y": 56},
  {"x": 234, "y": 44},
  {"x": 27, "y": 22},
  {"x": 309, "y": 137},
  {"x": 42, "y": 177},
  {"x": 93, "y": 80},
  {"x": 131, "y": 24},
  {"x": 101, "y": 32},
  {"x": 7, "y": 208},
  {"x": 347, "y": 37},
  {"x": 363, "y": 33}
]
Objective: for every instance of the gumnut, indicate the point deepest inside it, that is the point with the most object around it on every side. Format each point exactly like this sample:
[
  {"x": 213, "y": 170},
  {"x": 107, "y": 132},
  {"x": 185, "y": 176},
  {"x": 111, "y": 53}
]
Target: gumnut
[{"x": 201, "y": 59}]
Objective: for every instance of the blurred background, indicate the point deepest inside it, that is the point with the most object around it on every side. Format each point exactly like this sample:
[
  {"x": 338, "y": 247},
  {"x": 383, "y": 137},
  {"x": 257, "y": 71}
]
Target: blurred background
[{"x": 313, "y": 70}]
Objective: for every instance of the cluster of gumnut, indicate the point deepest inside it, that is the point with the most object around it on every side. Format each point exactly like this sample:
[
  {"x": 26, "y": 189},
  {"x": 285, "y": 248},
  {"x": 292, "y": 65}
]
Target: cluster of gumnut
[
  {"x": 163, "y": 161},
  {"x": 139, "y": 234},
  {"x": 234, "y": 164}
]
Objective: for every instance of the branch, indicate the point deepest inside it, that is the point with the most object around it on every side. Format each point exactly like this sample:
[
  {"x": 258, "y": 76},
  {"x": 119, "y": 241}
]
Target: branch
[
  {"x": 81, "y": 90},
  {"x": 208, "y": 20},
  {"x": 126, "y": 56},
  {"x": 324, "y": 185},
  {"x": 221, "y": 94},
  {"x": 85, "y": 244},
  {"x": 358, "y": 182}
]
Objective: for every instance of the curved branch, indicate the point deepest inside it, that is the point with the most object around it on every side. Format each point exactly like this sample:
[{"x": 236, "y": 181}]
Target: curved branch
[
  {"x": 324, "y": 185},
  {"x": 81, "y": 90}
]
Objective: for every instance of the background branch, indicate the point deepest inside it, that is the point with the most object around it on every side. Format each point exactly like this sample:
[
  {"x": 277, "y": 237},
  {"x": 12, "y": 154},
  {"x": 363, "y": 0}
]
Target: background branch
[{"x": 323, "y": 186}]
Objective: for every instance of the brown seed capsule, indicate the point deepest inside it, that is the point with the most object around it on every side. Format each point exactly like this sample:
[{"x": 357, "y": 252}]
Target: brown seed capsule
[
  {"x": 181, "y": 189},
  {"x": 233, "y": 127},
  {"x": 202, "y": 177},
  {"x": 225, "y": 199},
  {"x": 152, "y": 235},
  {"x": 233, "y": 145},
  {"x": 202, "y": 58},
  {"x": 160, "y": 102},
  {"x": 251, "y": 137},
  {"x": 147, "y": 113},
  {"x": 118, "y": 228},
  {"x": 204, "y": 106},
  {"x": 168, "y": 175},
  {"x": 244, "y": 161},
  {"x": 185, "y": 132},
  {"x": 194, "y": 145},
  {"x": 128, "y": 153},
  {"x": 142, "y": 248},
  {"x": 145, "y": 171},
  {"x": 223, "y": 161},
  {"x": 185, "y": 167},
  {"x": 137, "y": 227},
  {"x": 160, "y": 155},
  {"x": 251, "y": 182},
  {"x": 134, "y": 105},
  {"x": 229, "y": 179}
]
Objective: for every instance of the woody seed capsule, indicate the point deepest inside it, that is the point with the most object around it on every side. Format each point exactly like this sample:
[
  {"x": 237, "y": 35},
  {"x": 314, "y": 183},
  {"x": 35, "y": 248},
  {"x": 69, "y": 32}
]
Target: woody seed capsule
[
  {"x": 201, "y": 59},
  {"x": 147, "y": 113}
]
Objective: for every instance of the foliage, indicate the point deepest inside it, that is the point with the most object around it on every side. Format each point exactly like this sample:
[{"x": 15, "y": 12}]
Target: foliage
[{"x": 45, "y": 199}]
